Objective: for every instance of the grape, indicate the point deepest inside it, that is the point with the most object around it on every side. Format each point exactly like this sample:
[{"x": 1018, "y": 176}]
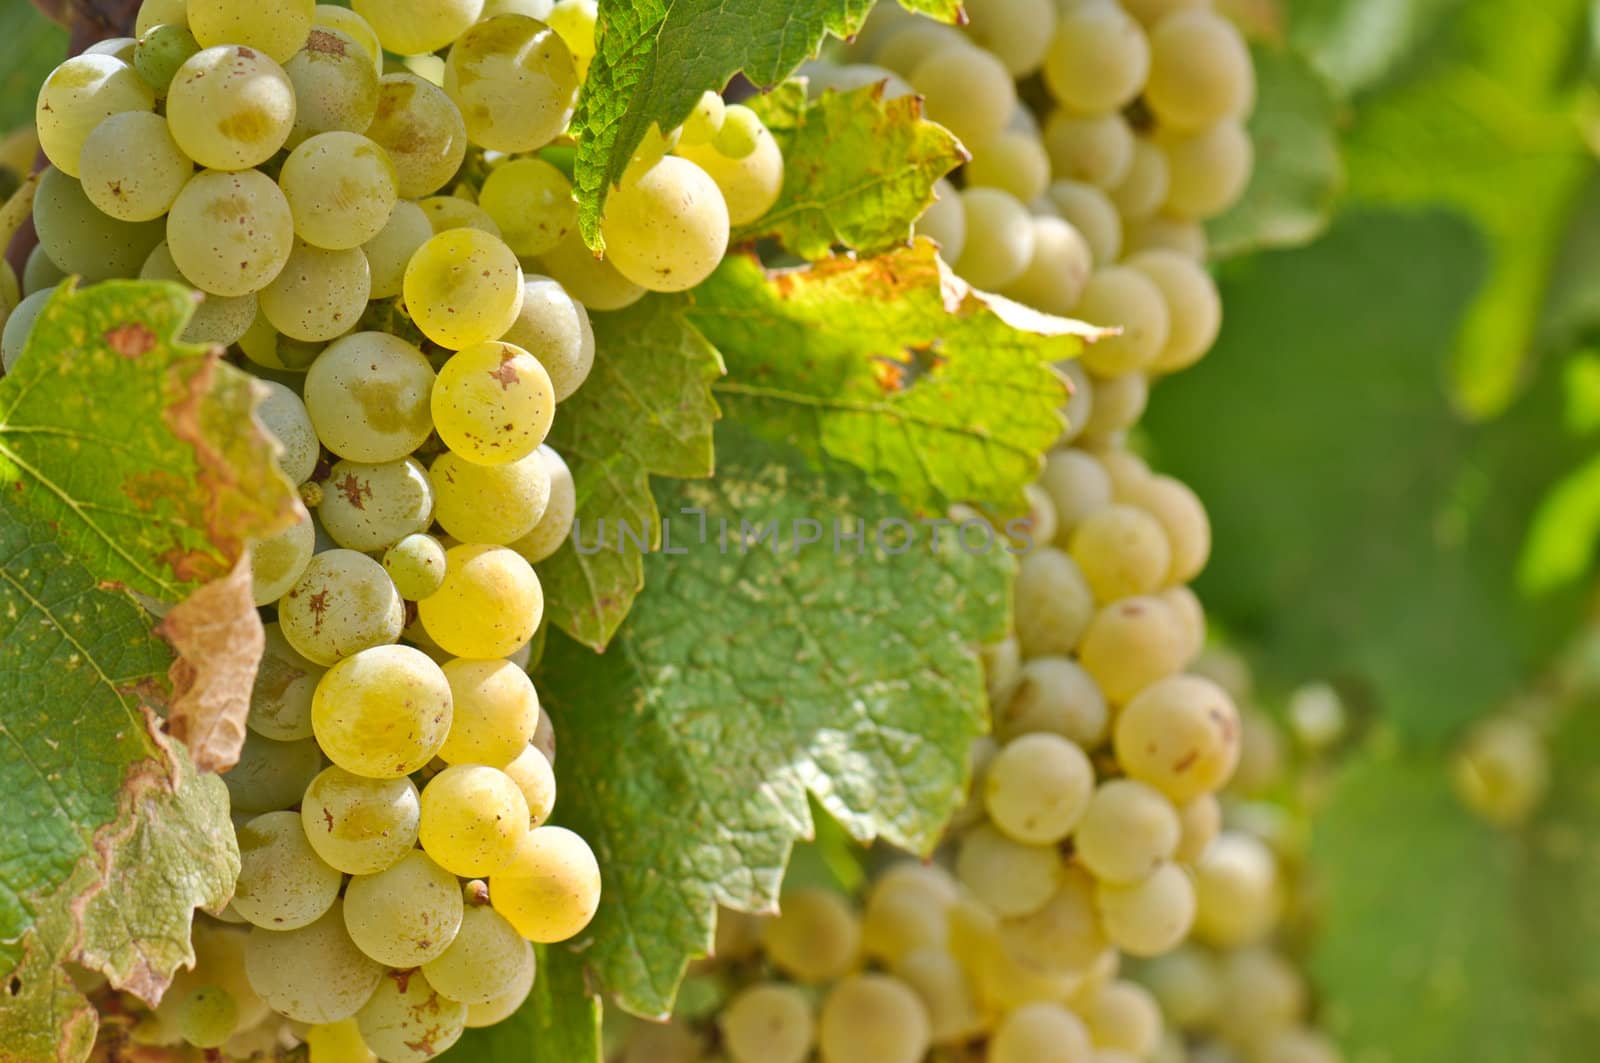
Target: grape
[
  {"x": 131, "y": 168},
  {"x": 230, "y": 107},
  {"x": 1316, "y": 715},
  {"x": 945, "y": 221},
  {"x": 816, "y": 936},
  {"x": 1121, "y": 297},
  {"x": 1054, "y": 604},
  {"x": 313, "y": 974},
  {"x": 283, "y": 884},
  {"x": 1096, "y": 150},
  {"x": 154, "y": 13},
  {"x": 338, "y": 1042},
  {"x": 262, "y": 345},
  {"x": 207, "y": 1017},
  {"x": 406, "y": 914},
  {"x": 1002, "y": 668},
  {"x": 271, "y": 775},
  {"x": 280, "y": 698},
  {"x": 1038, "y": 525},
  {"x": 705, "y": 121},
  {"x": 452, "y": 212},
  {"x": 389, "y": 252},
  {"x": 534, "y": 776},
  {"x": 487, "y": 958},
  {"x": 1183, "y": 520},
  {"x": 371, "y": 507},
  {"x": 872, "y": 1018},
  {"x": 1015, "y": 162},
  {"x": 1008, "y": 876},
  {"x": 821, "y": 76},
  {"x": 1181, "y": 735},
  {"x": 19, "y": 325},
  {"x": 80, "y": 94},
  {"x": 1502, "y": 770},
  {"x": 556, "y": 524},
  {"x": 768, "y": 1023},
  {"x": 1200, "y": 71},
  {"x": 463, "y": 288},
  {"x": 908, "y": 46},
  {"x": 473, "y": 816},
  {"x": 277, "y": 27},
  {"x": 550, "y": 888},
  {"x": 531, "y": 201},
  {"x": 504, "y": 1005},
  {"x": 368, "y": 394},
  {"x": 1123, "y": 1016},
  {"x": 383, "y": 712},
  {"x": 1262, "y": 994},
  {"x": 407, "y": 1020},
  {"x": 40, "y": 273},
  {"x": 1077, "y": 485},
  {"x": 1119, "y": 402},
  {"x": 1054, "y": 695},
  {"x": 999, "y": 243},
  {"x": 1121, "y": 551},
  {"x": 554, "y": 328},
  {"x": 489, "y": 604},
  {"x": 1194, "y": 307},
  {"x": 493, "y": 403},
  {"x": 415, "y": 27},
  {"x": 342, "y": 603},
  {"x": 416, "y": 565},
  {"x": 496, "y": 712},
  {"x": 319, "y": 295},
  {"x": 421, "y": 129},
  {"x": 1210, "y": 169},
  {"x": 1093, "y": 214},
  {"x": 939, "y": 981},
  {"x": 496, "y": 504},
  {"x": 1128, "y": 831},
  {"x": 666, "y": 228},
  {"x": 360, "y": 825},
  {"x": 1038, "y": 788},
  {"x": 1017, "y": 32},
  {"x": 1042, "y": 1032},
  {"x": 593, "y": 282},
  {"x": 539, "y": 9},
  {"x": 1200, "y": 820},
  {"x": 1236, "y": 887},
  {"x": 1131, "y": 644},
  {"x": 903, "y": 914},
  {"x": 1058, "y": 270},
  {"x": 82, "y": 240},
  {"x": 278, "y": 561},
  {"x": 1063, "y": 938},
  {"x": 341, "y": 188},
  {"x": 575, "y": 21},
  {"x": 750, "y": 183},
  {"x": 335, "y": 86},
  {"x": 230, "y": 233},
  {"x": 515, "y": 82},
  {"x": 980, "y": 753},
  {"x": 1125, "y": 469},
  {"x": 1143, "y": 190},
  {"x": 1186, "y": 983},
  {"x": 358, "y": 29},
  {"x": 966, "y": 90},
  {"x": 1098, "y": 60},
  {"x": 1298, "y": 1046},
  {"x": 284, "y": 416},
  {"x": 216, "y": 319}
]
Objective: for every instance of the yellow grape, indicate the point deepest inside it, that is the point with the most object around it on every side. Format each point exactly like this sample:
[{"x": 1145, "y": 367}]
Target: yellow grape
[
  {"x": 230, "y": 233},
  {"x": 319, "y": 295},
  {"x": 816, "y": 936},
  {"x": 382, "y": 713},
  {"x": 415, "y": 27},
  {"x": 341, "y": 188},
  {"x": 422, "y": 130},
  {"x": 751, "y": 183},
  {"x": 550, "y": 888},
  {"x": 495, "y": 713},
  {"x": 595, "y": 282},
  {"x": 230, "y": 107},
  {"x": 873, "y": 1018},
  {"x": 534, "y": 776},
  {"x": 515, "y": 82},
  {"x": 277, "y": 27},
  {"x": 531, "y": 201},
  {"x": 489, "y": 604},
  {"x": 493, "y": 403},
  {"x": 131, "y": 168},
  {"x": 496, "y": 504},
  {"x": 80, "y": 94},
  {"x": 463, "y": 287},
  {"x": 666, "y": 228}
]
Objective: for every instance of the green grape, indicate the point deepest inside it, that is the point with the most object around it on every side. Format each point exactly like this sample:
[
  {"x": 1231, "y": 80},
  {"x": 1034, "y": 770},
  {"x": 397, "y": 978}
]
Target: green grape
[
  {"x": 389, "y": 252},
  {"x": 358, "y": 29},
  {"x": 1054, "y": 605},
  {"x": 160, "y": 52},
  {"x": 407, "y": 1020},
  {"x": 1122, "y": 551},
  {"x": 556, "y": 524},
  {"x": 1063, "y": 939},
  {"x": 371, "y": 507},
  {"x": 406, "y": 914},
  {"x": 82, "y": 240},
  {"x": 768, "y": 1023},
  {"x": 1123, "y": 1016},
  {"x": 1096, "y": 150},
  {"x": 1042, "y": 1032},
  {"x": 342, "y": 603},
  {"x": 1077, "y": 411},
  {"x": 415, "y": 27},
  {"x": 216, "y": 319},
  {"x": 667, "y": 228},
  {"x": 284, "y": 416},
  {"x": 506, "y": 1004},
  {"x": 1010, "y": 877},
  {"x": 1143, "y": 190},
  {"x": 119, "y": 48},
  {"x": 550, "y": 888},
  {"x": 945, "y": 221},
  {"x": 750, "y": 184},
  {"x": 278, "y": 561},
  {"x": 80, "y": 94},
  {"x": 538, "y": 9},
  {"x": 1161, "y": 233},
  {"x": 592, "y": 281},
  {"x": 263, "y": 346},
  {"x": 1180, "y": 735},
  {"x": 40, "y": 273},
  {"x": 283, "y": 884},
  {"x": 1013, "y": 161},
  {"x": 902, "y": 914},
  {"x": 473, "y": 816},
  {"x": 1502, "y": 770},
  {"x": 219, "y": 965},
  {"x": 271, "y": 775},
  {"x": 341, "y": 189},
  {"x": 335, "y": 86},
  {"x": 940, "y": 982},
  {"x": 1098, "y": 59},
  {"x": 230, "y": 233},
  {"x": 1185, "y": 607},
  {"x": 1200, "y": 820},
  {"x": 1002, "y": 669},
  {"x": 496, "y": 504},
  {"x": 1182, "y": 517},
  {"x": 230, "y": 108},
  {"x": 515, "y": 82},
  {"x": 534, "y": 776},
  {"x": 14, "y": 337},
  {"x": 489, "y": 604},
  {"x": 872, "y": 1018},
  {"x": 1200, "y": 71},
  {"x": 383, "y": 712},
  {"x": 816, "y": 936},
  {"x": 1122, "y": 297},
  {"x": 313, "y": 974},
  {"x": 1236, "y": 890},
  {"x": 1193, "y": 305},
  {"x": 207, "y": 1017},
  {"x": 487, "y": 958},
  {"x": 908, "y": 46},
  {"x": 319, "y": 295},
  {"x": 423, "y": 132},
  {"x": 1017, "y": 32},
  {"x": 368, "y": 396},
  {"x": 999, "y": 243},
  {"x": 1131, "y": 644},
  {"x": 493, "y": 403},
  {"x": 1128, "y": 830},
  {"x": 1093, "y": 214},
  {"x": 1210, "y": 169},
  {"x": 463, "y": 288},
  {"x": 531, "y": 202},
  {"x": 1039, "y": 522},
  {"x": 1186, "y": 983},
  {"x": 452, "y": 212},
  {"x": 967, "y": 90},
  {"x": 338, "y": 1042},
  {"x": 359, "y": 825},
  {"x": 277, "y": 27},
  {"x": 1119, "y": 402},
  {"x": 280, "y": 698},
  {"x": 705, "y": 121},
  {"x": 496, "y": 712},
  {"x": 1262, "y": 994},
  {"x": 1077, "y": 484},
  {"x": 1038, "y": 788},
  {"x": 575, "y": 21},
  {"x": 554, "y": 328},
  {"x": 154, "y": 13},
  {"x": 1125, "y": 469},
  {"x": 416, "y": 565},
  {"x": 1058, "y": 269},
  {"x": 740, "y": 132}
]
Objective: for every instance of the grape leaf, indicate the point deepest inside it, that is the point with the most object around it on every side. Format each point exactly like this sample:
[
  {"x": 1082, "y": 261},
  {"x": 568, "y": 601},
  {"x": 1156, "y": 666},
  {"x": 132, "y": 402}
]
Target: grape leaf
[
  {"x": 143, "y": 452},
  {"x": 1299, "y": 171},
  {"x": 559, "y": 1023},
  {"x": 894, "y": 365},
  {"x": 1362, "y": 43},
  {"x": 745, "y": 679},
  {"x": 645, "y": 410},
  {"x": 858, "y": 169},
  {"x": 30, "y": 47},
  {"x": 108, "y": 838},
  {"x": 1361, "y": 526}
]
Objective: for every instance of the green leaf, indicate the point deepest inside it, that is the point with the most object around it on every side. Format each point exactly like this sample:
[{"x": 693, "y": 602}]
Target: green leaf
[
  {"x": 893, "y": 365},
  {"x": 108, "y": 838},
  {"x": 1361, "y": 526},
  {"x": 1299, "y": 171},
  {"x": 142, "y": 452},
  {"x": 858, "y": 170},
  {"x": 1361, "y": 43},
  {"x": 744, "y": 680},
  {"x": 560, "y": 1023},
  {"x": 30, "y": 47},
  {"x": 656, "y": 58},
  {"x": 645, "y": 410}
]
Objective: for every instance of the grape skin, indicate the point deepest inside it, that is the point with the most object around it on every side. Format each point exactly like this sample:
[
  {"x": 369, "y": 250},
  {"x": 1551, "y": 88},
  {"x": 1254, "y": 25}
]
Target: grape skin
[
  {"x": 342, "y": 190},
  {"x": 80, "y": 239},
  {"x": 406, "y": 914},
  {"x": 495, "y": 713},
  {"x": 230, "y": 107},
  {"x": 487, "y": 958},
  {"x": 407, "y": 1020},
  {"x": 515, "y": 82},
  {"x": 367, "y": 394},
  {"x": 131, "y": 168},
  {"x": 473, "y": 817},
  {"x": 872, "y": 1018},
  {"x": 77, "y": 96},
  {"x": 666, "y": 228},
  {"x": 382, "y": 712},
  {"x": 360, "y": 825},
  {"x": 489, "y": 604},
  {"x": 550, "y": 888},
  {"x": 282, "y": 884},
  {"x": 319, "y": 295},
  {"x": 770, "y": 1023},
  {"x": 815, "y": 937},
  {"x": 230, "y": 233},
  {"x": 463, "y": 288},
  {"x": 421, "y": 130},
  {"x": 313, "y": 974},
  {"x": 335, "y": 85},
  {"x": 493, "y": 403},
  {"x": 371, "y": 507},
  {"x": 342, "y": 603},
  {"x": 554, "y": 328}
]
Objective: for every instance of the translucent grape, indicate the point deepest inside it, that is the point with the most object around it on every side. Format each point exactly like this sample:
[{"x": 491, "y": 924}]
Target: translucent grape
[
  {"x": 1017, "y": 32},
  {"x": 1128, "y": 831},
  {"x": 18, "y": 326},
  {"x": 1008, "y": 876},
  {"x": 534, "y": 776},
  {"x": 216, "y": 319},
  {"x": 277, "y": 27},
  {"x": 1013, "y": 161},
  {"x": 504, "y": 1005},
  {"x": 342, "y": 603},
  {"x": 550, "y": 888},
  {"x": 407, "y": 1020},
  {"x": 495, "y": 712},
  {"x": 1143, "y": 190},
  {"x": 371, "y": 507},
  {"x": 1038, "y": 788},
  {"x": 1123, "y": 1016},
  {"x": 1054, "y": 695},
  {"x": 1193, "y": 305},
  {"x": 383, "y": 712},
  {"x": 358, "y": 29},
  {"x": 872, "y": 1018},
  {"x": 945, "y": 221},
  {"x": 490, "y": 602},
  {"x": 284, "y": 415},
  {"x": 556, "y": 524},
  {"x": 283, "y": 884},
  {"x": 1054, "y": 604},
  {"x": 592, "y": 281},
  {"x": 666, "y": 228},
  {"x": 154, "y": 13},
  {"x": 473, "y": 816},
  {"x": 406, "y": 914},
  {"x": 575, "y": 21},
  {"x": 816, "y": 936},
  {"x": 1058, "y": 269},
  {"x": 705, "y": 121},
  {"x": 416, "y": 565},
  {"x": 131, "y": 168},
  {"x": 531, "y": 201},
  {"x": 554, "y": 328},
  {"x": 80, "y": 94},
  {"x": 1077, "y": 485},
  {"x": 313, "y": 974},
  {"x": 1125, "y": 469},
  {"x": 463, "y": 287},
  {"x": 1063, "y": 938},
  {"x": 1210, "y": 169},
  {"x": 1182, "y": 517},
  {"x": 1181, "y": 735},
  {"x": 515, "y": 82},
  {"x": 1236, "y": 891},
  {"x": 1093, "y": 214},
  {"x": 278, "y": 561},
  {"x": 1096, "y": 150},
  {"x": 967, "y": 90},
  {"x": 413, "y": 27},
  {"x": 903, "y": 913},
  {"x": 751, "y": 183},
  {"x": 1200, "y": 820},
  {"x": 1121, "y": 297},
  {"x": 768, "y": 1023},
  {"x": 1098, "y": 59},
  {"x": 341, "y": 188},
  {"x": 452, "y": 212},
  {"x": 319, "y": 295},
  {"x": 1042, "y": 1032},
  {"x": 940, "y": 982},
  {"x": 271, "y": 775},
  {"x": 230, "y": 107},
  {"x": 368, "y": 396},
  {"x": 230, "y": 233},
  {"x": 487, "y": 958},
  {"x": 335, "y": 85},
  {"x": 280, "y": 698},
  {"x": 1131, "y": 644},
  {"x": 1200, "y": 71},
  {"x": 493, "y": 403},
  {"x": 80, "y": 239},
  {"x": 389, "y": 252},
  {"x": 207, "y": 1017},
  {"x": 1191, "y": 616},
  {"x": 40, "y": 273},
  {"x": 999, "y": 243},
  {"x": 1119, "y": 402},
  {"x": 421, "y": 129},
  {"x": 359, "y": 825},
  {"x": 497, "y": 504},
  {"x": 1122, "y": 551}
]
